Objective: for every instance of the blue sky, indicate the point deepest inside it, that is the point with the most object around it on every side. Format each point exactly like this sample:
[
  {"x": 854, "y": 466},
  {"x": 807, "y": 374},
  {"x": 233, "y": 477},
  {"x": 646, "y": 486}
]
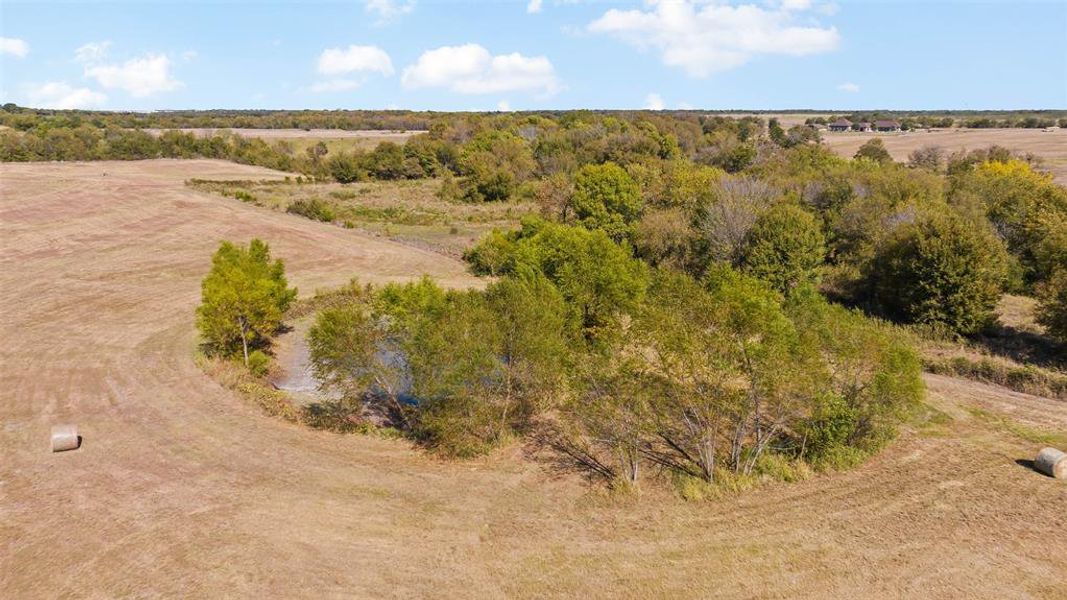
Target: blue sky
[{"x": 535, "y": 54}]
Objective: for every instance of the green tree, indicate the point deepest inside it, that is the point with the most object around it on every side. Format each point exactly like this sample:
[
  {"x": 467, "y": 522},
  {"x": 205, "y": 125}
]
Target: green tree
[
  {"x": 607, "y": 198},
  {"x": 1052, "y": 309},
  {"x": 480, "y": 364},
  {"x": 776, "y": 133},
  {"x": 243, "y": 298},
  {"x": 1025, "y": 206},
  {"x": 495, "y": 163},
  {"x": 346, "y": 168},
  {"x": 874, "y": 150},
  {"x": 785, "y": 248},
  {"x": 599, "y": 279},
  {"x": 874, "y": 381},
  {"x": 941, "y": 269}
]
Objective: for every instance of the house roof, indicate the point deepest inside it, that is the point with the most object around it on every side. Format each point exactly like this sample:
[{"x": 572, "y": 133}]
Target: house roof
[
  {"x": 886, "y": 124},
  {"x": 842, "y": 123}
]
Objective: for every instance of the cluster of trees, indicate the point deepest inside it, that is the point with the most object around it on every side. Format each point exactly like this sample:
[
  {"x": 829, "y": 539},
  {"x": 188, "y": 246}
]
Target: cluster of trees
[
  {"x": 618, "y": 366},
  {"x": 86, "y": 142},
  {"x": 396, "y": 120},
  {"x": 670, "y": 308},
  {"x": 687, "y": 190}
]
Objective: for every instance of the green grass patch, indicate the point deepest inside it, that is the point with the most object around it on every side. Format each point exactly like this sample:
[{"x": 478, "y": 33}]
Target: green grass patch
[{"x": 1024, "y": 432}]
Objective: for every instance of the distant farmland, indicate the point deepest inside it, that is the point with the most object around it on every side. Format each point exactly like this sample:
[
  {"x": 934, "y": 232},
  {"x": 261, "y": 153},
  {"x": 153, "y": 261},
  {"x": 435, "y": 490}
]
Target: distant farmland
[{"x": 1051, "y": 146}]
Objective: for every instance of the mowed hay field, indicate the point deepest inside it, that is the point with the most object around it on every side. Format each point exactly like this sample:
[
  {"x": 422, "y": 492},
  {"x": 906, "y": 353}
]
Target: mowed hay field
[
  {"x": 1050, "y": 146},
  {"x": 184, "y": 489}
]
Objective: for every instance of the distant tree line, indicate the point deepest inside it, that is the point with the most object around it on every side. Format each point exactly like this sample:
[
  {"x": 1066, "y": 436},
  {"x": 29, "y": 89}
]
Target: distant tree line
[{"x": 687, "y": 190}]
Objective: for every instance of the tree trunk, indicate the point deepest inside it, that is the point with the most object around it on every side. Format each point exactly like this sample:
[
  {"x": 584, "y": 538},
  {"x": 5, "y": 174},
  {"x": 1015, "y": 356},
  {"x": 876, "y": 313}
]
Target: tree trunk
[{"x": 244, "y": 339}]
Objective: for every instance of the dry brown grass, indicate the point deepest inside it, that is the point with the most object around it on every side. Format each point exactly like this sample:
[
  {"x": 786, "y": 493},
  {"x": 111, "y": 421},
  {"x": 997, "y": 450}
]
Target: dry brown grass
[
  {"x": 403, "y": 211},
  {"x": 182, "y": 489},
  {"x": 1050, "y": 146},
  {"x": 1015, "y": 353}
]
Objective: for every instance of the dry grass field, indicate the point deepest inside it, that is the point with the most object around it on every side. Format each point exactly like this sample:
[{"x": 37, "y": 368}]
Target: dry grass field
[
  {"x": 786, "y": 120},
  {"x": 1051, "y": 146},
  {"x": 182, "y": 489},
  {"x": 336, "y": 140},
  {"x": 407, "y": 211}
]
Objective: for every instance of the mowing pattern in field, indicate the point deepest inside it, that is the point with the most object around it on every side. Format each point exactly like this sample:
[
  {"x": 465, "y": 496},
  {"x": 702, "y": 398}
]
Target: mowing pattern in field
[{"x": 183, "y": 490}]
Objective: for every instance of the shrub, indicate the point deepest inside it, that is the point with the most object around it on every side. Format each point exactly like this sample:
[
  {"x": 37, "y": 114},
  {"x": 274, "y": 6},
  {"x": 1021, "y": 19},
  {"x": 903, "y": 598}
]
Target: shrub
[
  {"x": 940, "y": 269},
  {"x": 340, "y": 416},
  {"x": 874, "y": 150},
  {"x": 346, "y": 168},
  {"x": 314, "y": 209},
  {"x": 831, "y": 426},
  {"x": 258, "y": 363}
]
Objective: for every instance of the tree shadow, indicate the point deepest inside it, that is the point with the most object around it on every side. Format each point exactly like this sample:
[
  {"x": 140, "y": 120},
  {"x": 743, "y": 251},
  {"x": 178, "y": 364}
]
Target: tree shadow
[
  {"x": 1022, "y": 346},
  {"x": 559, "y": 459}
]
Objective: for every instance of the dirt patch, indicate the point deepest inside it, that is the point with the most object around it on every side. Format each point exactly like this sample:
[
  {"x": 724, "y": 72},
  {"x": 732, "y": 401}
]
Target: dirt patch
[{"x": 183, "y": 489}]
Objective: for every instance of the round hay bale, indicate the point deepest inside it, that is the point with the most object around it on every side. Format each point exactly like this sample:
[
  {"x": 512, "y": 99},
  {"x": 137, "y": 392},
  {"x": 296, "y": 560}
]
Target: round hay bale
[
  {"x": 1052, "y": 462},
  {"x": 65, "y": 437}
]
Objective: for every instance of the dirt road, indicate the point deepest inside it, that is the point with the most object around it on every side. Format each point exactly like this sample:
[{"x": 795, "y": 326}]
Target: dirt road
[{"x": 184, "y": 490}]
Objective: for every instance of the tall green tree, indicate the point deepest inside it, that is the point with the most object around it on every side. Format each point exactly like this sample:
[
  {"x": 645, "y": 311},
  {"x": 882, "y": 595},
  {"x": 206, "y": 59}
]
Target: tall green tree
[
  {"x": 599, "y": 279},
  {"x": 243, "y": 298},
  {"x": 1052, "y": 309},
  {"x": 606, "y": 198},
  {"x": 785, "y": 248}
]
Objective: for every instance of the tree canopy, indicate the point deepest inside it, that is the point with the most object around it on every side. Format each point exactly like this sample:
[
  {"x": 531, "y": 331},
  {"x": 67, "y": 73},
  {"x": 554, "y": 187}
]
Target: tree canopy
[{"x": 243, "y": 298}]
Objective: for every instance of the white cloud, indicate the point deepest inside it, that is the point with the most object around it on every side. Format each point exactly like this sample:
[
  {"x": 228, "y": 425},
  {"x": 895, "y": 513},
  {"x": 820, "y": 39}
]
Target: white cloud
[
  {"x": 503, "y": 106},
  {"x": 703, "y": 37},
  {"x": 849, "y": 87},
  {"x": 334, "y": 85},
  {"x": 388, "y": 10},
  {"x": 363, "y": 59},
  {"x": 685, "y": 106},
  {"x": 92, "y": 52},
  {"x": 140, "y": 77},
  {"x": 14, "y": 47},
  {"x": 534, "y": 6},
  {"x": 654, "y": 102},
  {"x": 60, "y": 95},
  {"x": 470, "y": 69}
]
